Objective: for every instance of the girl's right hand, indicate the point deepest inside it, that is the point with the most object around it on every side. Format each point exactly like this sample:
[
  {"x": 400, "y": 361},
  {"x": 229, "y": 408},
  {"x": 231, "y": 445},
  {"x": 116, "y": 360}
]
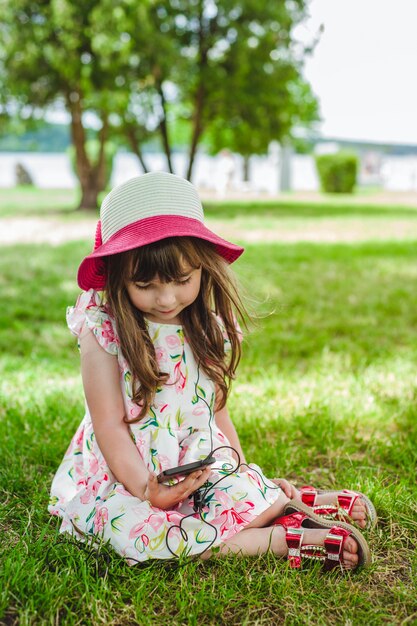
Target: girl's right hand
[{"x": 166, "y": 497}]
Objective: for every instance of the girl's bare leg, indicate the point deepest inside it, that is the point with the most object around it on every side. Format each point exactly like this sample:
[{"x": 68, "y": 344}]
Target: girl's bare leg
[{"x": 271, "y": 513}]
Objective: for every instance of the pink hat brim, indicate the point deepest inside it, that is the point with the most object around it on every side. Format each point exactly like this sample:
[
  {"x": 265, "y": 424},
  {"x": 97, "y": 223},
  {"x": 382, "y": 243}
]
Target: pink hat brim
[{"x": 92, "y": 272}]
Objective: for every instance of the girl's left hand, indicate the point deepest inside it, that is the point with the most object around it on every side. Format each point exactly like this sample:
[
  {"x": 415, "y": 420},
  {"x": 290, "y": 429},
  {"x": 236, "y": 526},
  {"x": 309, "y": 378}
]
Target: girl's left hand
[
  {"x": 289, "y": 489},
  {"x": 167, "y": 496}
]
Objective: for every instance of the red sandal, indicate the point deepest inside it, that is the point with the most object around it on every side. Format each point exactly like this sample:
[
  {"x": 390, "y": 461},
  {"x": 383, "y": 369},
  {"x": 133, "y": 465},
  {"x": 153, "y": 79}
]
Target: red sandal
[
  {"x": 297, "y": 517},
  {"x": 341, "y": 510}
]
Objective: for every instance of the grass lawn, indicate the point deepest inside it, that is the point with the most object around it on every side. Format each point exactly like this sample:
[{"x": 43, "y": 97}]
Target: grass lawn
[{"x": 326, "y": 395}]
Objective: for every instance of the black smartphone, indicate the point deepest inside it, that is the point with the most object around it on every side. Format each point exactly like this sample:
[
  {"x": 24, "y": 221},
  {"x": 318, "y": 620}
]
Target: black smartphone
[{"x": 183, "y": 470}]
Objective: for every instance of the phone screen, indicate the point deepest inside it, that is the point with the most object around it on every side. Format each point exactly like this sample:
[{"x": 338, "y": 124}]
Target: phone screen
[{"x": 184, "y": 470}]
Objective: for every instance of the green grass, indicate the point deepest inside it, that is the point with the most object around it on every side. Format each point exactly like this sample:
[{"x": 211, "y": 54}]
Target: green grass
[
  {"x": 32, "y": 201},
  {"x": 326, "y": 394}
]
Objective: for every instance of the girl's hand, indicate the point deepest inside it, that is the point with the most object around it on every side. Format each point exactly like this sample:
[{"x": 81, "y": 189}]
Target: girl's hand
[
  {"x": 289, "y": 489},
  {"x": 166, "y": 497}
]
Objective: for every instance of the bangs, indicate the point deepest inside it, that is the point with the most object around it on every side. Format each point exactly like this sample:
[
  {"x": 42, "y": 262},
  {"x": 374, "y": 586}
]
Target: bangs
[{"x": 170, "y": 259}]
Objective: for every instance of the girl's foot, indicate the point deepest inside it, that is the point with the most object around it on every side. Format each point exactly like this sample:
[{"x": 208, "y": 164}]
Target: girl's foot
[
  {"x": 308, "y": 536},
  {"x": 349, "y": 555},
  {"x": 345, "y": 505},
  {"x": 357, "y": 513}
]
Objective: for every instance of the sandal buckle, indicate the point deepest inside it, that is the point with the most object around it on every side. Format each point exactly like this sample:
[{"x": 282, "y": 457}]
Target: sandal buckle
[
  {"x": 308, "y": 496},
  {"x": 294, "y": 538},
  {"x": 333, "y": 544}
]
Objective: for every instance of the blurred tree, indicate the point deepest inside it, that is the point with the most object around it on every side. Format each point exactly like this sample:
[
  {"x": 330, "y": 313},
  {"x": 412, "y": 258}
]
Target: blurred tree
[
  {"x": 229, "y": 69},
  {"x": 137, "y": 54},
  {"x": 254, "y": 122},
  {"x": 239, "y": 71},
  {"x": 47, "y": 56}
]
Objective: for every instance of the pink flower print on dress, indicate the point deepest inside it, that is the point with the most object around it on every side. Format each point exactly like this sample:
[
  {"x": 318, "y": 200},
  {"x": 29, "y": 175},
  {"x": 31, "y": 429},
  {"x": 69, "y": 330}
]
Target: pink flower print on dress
[
  {"x": 234, "y": 516},
  {"x": 134, "y": 410},
  {"x": 90, "y": 492},
  {"x": 76, "y": 442},
  {"x": 165, "y": 462},
  {"x": 79, "y": 437},
  {"x": 173, "y": 341},
  {"x": 141, "y": 446},
  {"x": 107, "y": 331},
  {"x": 100, "y": 519},
  {"x": 179, "y": 378},
  {"x": 161, "y": 355},
  {"x": 155, "y": 521},
  {"x": 173, "y": 516},
  {"x": 159, "y": 406},
  {"x": 141, "y": 543},
  {"x": 198, "y": 411},
  {"x": 136, "y": 530},
  {"x": 93, "y": 464}
]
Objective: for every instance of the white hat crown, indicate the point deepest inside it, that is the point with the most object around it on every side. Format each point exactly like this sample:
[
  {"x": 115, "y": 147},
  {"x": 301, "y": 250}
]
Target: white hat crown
[{"x": 149, "y": 195}]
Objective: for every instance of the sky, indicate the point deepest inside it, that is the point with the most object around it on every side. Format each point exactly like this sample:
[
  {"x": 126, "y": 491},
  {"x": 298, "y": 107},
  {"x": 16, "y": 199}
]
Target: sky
[{"x": 364, "y": 68}]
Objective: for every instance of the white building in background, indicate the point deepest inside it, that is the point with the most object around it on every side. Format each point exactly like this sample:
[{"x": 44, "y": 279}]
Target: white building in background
[{"x": 394, "y": 172}]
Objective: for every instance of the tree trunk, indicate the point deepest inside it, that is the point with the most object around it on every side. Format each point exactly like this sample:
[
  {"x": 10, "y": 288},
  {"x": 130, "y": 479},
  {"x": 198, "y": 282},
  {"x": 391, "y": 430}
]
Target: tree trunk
[
  {"x": 89, "y": 197},
  {"x": 134, "y": 144},
  {"x": 197, "y": 130},
  {"x": 100, "y": 168},
  {"x": 201, "y": 92},
  {"x": 246, "y": 165},
  {"x": 164, "y": 128},
  {"x": 92, "y": 177}
]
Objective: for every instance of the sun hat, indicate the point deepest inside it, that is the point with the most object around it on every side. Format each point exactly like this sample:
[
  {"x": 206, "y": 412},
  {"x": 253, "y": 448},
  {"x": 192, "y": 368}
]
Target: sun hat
[{"x": 143, "y": 210}]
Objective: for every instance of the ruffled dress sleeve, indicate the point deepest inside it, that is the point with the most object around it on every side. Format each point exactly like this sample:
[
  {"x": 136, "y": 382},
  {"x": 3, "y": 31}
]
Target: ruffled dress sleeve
[
  {"x": 91, "y": 310},
  {"x": 227, "y": 343}
]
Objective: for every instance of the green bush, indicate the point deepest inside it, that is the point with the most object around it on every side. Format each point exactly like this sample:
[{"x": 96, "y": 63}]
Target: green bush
[{"x": 337, "y": 172}]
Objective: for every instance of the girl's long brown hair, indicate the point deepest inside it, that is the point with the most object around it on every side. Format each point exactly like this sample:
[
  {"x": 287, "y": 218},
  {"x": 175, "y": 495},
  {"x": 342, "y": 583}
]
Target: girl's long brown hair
[{"x": 218, "y": 292}]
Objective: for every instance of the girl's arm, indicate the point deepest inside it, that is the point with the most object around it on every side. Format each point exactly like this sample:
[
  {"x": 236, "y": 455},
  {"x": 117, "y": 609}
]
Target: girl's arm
[
  {"x": 225, "y": 424},
  {"x": 101, "y": 380}
]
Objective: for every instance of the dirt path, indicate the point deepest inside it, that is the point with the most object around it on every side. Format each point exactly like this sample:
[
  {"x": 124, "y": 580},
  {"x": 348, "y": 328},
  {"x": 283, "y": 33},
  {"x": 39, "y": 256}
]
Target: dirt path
[
  {"x": 56, "y": 232},
  {"x": 44, "y": 230}
]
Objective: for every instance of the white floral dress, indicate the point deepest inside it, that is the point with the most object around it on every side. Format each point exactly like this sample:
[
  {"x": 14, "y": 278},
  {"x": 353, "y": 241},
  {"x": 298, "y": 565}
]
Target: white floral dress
[{"x": 179, "y": 429}]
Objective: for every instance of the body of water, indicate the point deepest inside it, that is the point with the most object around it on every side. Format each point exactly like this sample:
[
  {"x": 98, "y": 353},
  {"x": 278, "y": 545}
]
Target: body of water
[{"x": 218, "y": 173}]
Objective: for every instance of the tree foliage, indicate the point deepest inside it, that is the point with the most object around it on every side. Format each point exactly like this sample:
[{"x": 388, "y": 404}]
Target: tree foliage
[
  {"x": 47, "y": 57},
  {"x": 227, "y": 71}
]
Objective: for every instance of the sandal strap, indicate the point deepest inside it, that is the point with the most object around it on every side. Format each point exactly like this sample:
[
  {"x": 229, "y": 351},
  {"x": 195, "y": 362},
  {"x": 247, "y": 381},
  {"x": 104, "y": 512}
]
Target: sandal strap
[
  {"x": 332, "y": 512},
  {"x": 308, "y": 495},
  {"x": 294, "y": 538},
  {"x": 347, "y": 499},
  {"x": 293, "y": 520},
  {"x": 334, "y": 543}
]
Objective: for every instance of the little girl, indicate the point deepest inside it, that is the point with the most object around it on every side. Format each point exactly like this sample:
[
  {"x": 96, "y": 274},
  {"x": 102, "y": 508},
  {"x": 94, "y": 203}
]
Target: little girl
[{"x": 159, "y": 346}]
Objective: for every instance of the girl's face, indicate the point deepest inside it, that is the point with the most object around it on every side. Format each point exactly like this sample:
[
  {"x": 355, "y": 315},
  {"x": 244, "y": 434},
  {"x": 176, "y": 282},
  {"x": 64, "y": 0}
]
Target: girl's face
[{"x": 163, "y": 302}]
